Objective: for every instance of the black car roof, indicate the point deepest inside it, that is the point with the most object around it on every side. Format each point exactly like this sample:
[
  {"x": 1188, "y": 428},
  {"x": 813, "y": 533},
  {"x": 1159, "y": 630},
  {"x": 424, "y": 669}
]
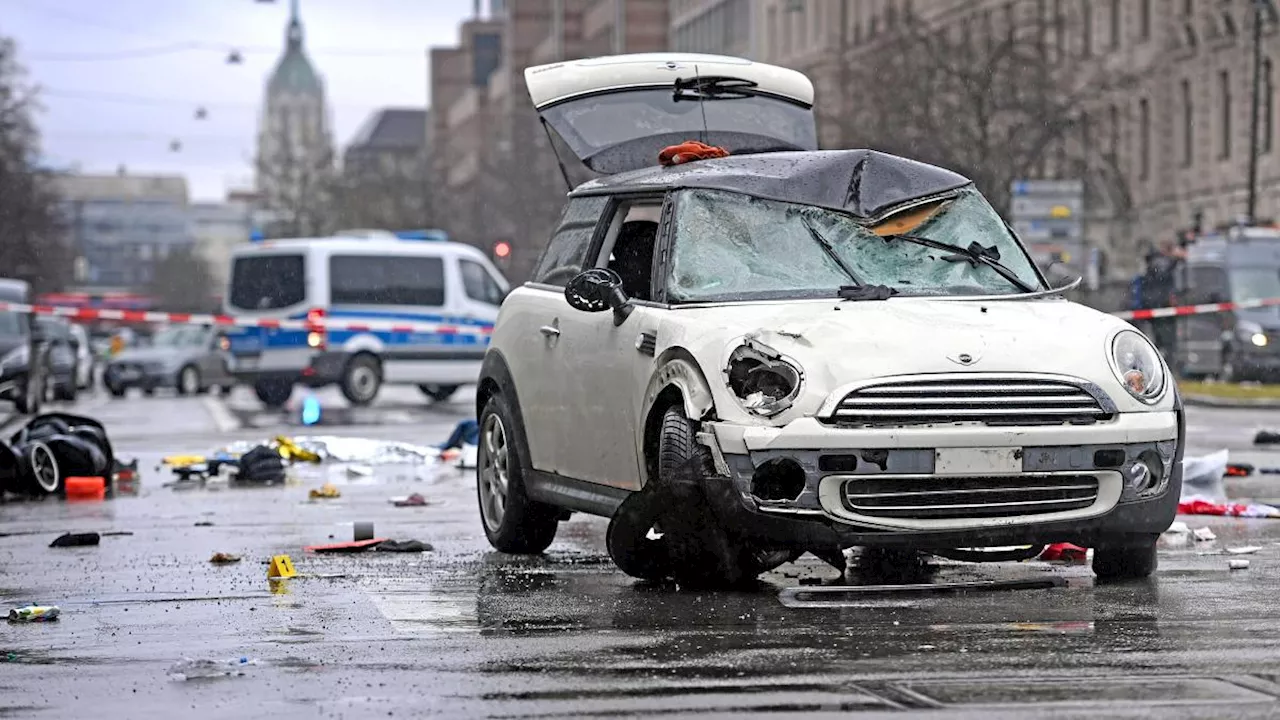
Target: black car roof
[{"x": 863, "y": 183}]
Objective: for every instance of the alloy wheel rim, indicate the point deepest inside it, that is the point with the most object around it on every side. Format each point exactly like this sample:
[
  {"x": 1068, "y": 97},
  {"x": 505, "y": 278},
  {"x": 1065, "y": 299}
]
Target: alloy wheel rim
[
  {"x": 363, "y": 381},
  {"x": 494, "y": 472},
  {"x": 44, "y": 467},
  {"x": 190, "y": 384}
]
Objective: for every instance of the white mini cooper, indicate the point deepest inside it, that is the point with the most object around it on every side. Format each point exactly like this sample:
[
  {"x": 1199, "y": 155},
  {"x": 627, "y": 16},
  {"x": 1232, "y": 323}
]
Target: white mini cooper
[{"x": 742, "y": 359}]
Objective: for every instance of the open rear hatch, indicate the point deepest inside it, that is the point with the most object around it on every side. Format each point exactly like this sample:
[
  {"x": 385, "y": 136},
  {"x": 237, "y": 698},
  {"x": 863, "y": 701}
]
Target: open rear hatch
[{"x": 617, "y": 113}]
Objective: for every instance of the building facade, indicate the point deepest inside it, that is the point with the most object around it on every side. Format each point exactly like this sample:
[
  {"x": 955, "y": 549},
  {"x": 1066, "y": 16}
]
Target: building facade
[
  {"x": 496, "y": 175},
  {"x": 216, "y": 230},
  {"x": 385, "y": 171},
  {"x": 120, "y": 226},
  {"x": 295, "y": 144}
]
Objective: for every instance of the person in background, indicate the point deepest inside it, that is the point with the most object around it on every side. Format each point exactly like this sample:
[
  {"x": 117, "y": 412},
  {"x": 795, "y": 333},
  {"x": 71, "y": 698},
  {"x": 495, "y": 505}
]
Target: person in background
[{"x": 1159, "y": 284}]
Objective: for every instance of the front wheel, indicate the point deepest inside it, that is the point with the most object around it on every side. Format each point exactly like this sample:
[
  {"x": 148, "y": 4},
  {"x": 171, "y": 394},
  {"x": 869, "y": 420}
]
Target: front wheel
[
  {"x": 1125, "y": 562},
  {"x": 513, "y": 523},
  {"x": 188, "y": 382},
  {"x": 1231, "y": 371},
  {"x": 361, "y": 380},
  {"x": 439, "y": 393}
]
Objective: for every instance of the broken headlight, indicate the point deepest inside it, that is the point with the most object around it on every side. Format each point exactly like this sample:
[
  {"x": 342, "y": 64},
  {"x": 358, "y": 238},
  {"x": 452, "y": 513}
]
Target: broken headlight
[
  {"x": 765, "y": 382},
  {"x": 1138, "y": 366}
]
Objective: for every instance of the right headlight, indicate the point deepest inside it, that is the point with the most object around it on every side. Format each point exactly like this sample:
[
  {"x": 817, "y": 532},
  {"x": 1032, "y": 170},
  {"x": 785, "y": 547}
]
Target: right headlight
[{"x": 1138, "y": 366}]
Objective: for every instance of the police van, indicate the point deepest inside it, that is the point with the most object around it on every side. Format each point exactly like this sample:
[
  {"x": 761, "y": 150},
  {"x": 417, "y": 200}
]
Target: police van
[{"x": 358, "y": 277}]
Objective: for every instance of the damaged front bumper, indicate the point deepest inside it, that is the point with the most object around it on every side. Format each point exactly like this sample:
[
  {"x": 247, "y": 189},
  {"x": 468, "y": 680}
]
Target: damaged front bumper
[{"x": 808, "y": 484}]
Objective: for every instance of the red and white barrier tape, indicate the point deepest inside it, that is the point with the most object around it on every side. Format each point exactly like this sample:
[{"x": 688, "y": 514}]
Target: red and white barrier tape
[
  {"x": 140, "y": 316},
  {"x": 1194, "y": 309}
]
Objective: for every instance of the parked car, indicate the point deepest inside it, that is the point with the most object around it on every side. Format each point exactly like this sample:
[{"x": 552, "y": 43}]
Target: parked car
[
  {"x": 56, "y": 348},
  {"x": 18, "y": 384},
  {"x": 789, "y": 350},
  {"x": 86, "y": 358},
  {"x": 187, "y": 358}
]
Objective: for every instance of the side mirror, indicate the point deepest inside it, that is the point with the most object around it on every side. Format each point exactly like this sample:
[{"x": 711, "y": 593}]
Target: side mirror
[{"x": 597, "y": 290}]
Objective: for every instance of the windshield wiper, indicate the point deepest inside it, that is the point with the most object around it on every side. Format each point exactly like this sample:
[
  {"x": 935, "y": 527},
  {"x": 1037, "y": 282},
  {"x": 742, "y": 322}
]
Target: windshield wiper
[
  {"x": 828, "y": 248},
  {"x": 975, "y": 255}
]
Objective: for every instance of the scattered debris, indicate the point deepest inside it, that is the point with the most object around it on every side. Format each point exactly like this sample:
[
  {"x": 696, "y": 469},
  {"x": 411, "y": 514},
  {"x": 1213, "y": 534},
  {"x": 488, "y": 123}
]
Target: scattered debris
[
  {"x": 345, "y": 547},
  {"x": 76, "y": 540},
  {"x": 1064, "y": 552},
  {"x": 404, "y": 546},
  {"x": 189, "y": 669},
  {"x": 1201, "y": 506},
  {"x": 1238, "y": 564},
  {"x": 414, "y": 500},
  {"x": 1249, "y": 550},
  {"x": 1202, "y": 476},
  {"x": 1204, "y": 534},
  {"x": 1178, "y": 528},
  {"x": 362, "y": 531},
  {"x": 34, "y": 613},
  {"x": 204, "y": 523},
  {"x": 281, "y": 566},
  {"x": 328, "y": 491},
  {"x": 221, "y": 558},
  {"x": 1266, "y": 437}
]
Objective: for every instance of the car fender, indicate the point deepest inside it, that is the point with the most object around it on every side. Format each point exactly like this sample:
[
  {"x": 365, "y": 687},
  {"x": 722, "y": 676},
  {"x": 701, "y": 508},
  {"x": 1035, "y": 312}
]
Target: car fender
[
  {"x": 495, "y": 377},
  {"x": 363, "y": 342},
  {"x": 677, "y": 371}
]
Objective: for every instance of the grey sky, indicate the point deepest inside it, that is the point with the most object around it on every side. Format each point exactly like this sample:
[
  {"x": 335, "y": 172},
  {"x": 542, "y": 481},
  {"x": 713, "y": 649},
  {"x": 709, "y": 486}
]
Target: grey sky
[{"x": 101, "y": 113}]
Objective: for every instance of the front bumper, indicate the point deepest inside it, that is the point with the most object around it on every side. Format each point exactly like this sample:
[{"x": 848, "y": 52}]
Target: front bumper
[
  {"x": 123, "y": 376},
  {"x": 947, "y": 486}
]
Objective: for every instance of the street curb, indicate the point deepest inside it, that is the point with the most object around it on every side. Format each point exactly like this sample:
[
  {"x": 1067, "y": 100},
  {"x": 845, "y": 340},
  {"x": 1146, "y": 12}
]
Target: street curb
[{"x": 1236, "y": 403}]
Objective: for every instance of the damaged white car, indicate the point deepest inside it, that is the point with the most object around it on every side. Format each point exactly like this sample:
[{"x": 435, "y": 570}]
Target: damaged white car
[{"x": 745, "y": 358}]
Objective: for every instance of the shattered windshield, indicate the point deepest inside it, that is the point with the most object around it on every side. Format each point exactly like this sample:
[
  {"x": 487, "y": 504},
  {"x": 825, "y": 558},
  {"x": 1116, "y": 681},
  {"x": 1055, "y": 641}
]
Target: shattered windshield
[{"x": 730, "y": 246}]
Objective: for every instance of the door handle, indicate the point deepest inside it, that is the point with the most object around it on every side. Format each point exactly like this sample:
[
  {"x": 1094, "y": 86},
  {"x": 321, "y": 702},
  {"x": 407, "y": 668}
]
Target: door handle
[{"x": 549, "y": 330}]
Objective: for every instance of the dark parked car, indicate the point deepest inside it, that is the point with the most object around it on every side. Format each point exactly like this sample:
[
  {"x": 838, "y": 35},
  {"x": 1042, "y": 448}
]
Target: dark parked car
[{"x": 27, "y": 384}]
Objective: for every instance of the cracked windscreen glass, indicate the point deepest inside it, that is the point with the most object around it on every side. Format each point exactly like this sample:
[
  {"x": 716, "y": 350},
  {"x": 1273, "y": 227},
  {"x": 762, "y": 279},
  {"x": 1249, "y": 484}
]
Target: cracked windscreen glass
[{"x": 730, "y": 246}]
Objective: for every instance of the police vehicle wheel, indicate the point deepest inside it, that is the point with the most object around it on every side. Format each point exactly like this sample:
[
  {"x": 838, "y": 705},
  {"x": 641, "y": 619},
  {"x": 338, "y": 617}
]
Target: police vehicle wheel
[{"x": 361, "y": 380}]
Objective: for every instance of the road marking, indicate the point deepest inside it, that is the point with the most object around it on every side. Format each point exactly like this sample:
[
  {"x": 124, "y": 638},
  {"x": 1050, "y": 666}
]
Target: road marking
[{"x": 221, "y": 414}]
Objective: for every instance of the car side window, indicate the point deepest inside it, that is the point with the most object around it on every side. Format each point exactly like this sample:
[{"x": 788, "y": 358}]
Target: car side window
[
  {"x": 566, "y": 253},
  {"x": 479, "y": 284}
]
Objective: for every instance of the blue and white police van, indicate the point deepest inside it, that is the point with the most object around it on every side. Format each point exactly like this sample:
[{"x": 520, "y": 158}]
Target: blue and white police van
[{"x": 355, "y": 277}]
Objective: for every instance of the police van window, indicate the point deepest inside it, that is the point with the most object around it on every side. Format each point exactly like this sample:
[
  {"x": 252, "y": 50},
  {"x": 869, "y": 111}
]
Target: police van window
[
  {"x": 1206, "y": 284},
  {"x": 382, "y": 280},
  {"x": 267, "y": 282},
  {"x": 479, "y": 284},
  {"x": 566, "y": 253}
]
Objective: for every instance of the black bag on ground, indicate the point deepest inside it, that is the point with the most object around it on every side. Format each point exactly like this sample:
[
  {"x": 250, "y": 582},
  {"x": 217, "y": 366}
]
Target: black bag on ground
[{"x": 261, "y": 465}]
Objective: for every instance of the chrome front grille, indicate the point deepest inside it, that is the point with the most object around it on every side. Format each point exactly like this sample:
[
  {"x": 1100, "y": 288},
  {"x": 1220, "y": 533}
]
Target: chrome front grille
[
  {"x": 947, "y": 498},
  {"x": 1000, "y": 400}
]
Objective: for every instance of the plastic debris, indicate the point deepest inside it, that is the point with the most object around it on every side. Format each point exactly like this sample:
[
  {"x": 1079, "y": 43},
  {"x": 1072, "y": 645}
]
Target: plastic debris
[
  {"x": 1248, "y": 550},
  {"x": 1266, "y": 437},
  {"x": 1204, "y": 534},
  {"x": 189, "y": 669},
  {"x": 1202, "y": 476},
  {"x": 1202, "y": 506},
  {"x": 1238, "y": 564},
  {"x": 1064, "y": 552},
  {"x": 1178, "y": 528},
  {"x": 328, "y": 491},
  {"x": 414, "y": 500},
  {"x": 34, "y": 613},
  {"x": 76, "y": 540},
  {"x": 404, "y": 546},
  {"x": 221, "y": 558}
]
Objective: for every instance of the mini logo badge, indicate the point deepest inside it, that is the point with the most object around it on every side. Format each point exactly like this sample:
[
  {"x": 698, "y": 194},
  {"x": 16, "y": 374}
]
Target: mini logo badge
[{"x": 963, "y": 358}]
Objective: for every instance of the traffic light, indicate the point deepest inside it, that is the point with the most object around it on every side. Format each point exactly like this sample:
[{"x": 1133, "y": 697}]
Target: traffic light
[{"x": 502, "y": 252}]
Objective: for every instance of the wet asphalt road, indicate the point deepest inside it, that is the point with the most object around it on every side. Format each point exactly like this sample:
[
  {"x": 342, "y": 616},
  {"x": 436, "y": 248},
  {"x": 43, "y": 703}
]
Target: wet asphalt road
[{"x": 466, "y": 632}]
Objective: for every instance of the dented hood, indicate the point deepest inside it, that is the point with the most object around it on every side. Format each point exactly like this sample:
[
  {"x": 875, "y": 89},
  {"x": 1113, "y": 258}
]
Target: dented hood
[{"x": 837, "y": 343}]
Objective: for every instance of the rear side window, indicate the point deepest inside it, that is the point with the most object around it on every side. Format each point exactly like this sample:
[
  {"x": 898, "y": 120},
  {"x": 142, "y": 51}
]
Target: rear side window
[
  {"x": 382, "y": 280},
  {"x": 479, "y": 284},
  {"x": 268, "y": 282},
  {"x": 566, "y": 253}
]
